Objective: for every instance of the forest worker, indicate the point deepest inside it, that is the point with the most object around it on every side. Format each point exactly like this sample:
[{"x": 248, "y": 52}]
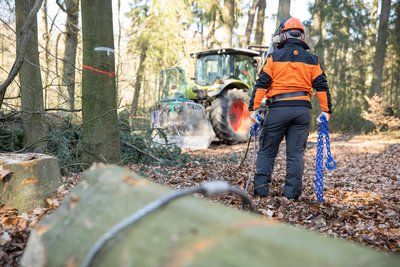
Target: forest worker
[{"x": 286, "y": 80}]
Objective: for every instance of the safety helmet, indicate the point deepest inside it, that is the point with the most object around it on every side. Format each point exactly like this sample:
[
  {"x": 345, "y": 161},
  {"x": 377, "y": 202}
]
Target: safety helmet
[
  {"x": 290, "y": 28},
  {"x": 292, "y": 24}
]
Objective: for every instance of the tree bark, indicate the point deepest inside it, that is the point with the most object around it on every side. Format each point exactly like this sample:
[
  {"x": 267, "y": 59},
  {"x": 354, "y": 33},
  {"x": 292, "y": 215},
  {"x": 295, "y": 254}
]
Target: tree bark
[
  {"x": 139, "y": 78},
  {"x": 262, "y": 5},
  {"x": 228, "y": 18},
  {"x": 380, "y": 48},
  {"x": 186, "y": 232},
  {"x": 250, "y": 22},
  {"x": 119, "y": 59},
  {"x": 24, "y": 35},
  {"x": 100, "y": 129},
  {"x": 46, "y": 37},
  {"x": 34, "y": 126},
  {"x": 319, "y": 25},
  {"x": 71, "y": 43},
  {"x": 211, "y": 35},
  {"x": 283, "y": 11}
]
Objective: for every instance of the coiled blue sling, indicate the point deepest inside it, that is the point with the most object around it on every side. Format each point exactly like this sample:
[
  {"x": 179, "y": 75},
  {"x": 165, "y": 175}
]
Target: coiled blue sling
[
  {"x": 255, "y": 128},
  {"x": 330, "y": 163}
]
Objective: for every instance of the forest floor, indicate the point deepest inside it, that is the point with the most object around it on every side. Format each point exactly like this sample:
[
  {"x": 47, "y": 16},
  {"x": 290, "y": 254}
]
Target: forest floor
[{"x": 362, "y": 195}]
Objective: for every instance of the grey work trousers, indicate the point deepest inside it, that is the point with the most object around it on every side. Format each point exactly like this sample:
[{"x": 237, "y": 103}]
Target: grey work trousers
[{"x": 292, "y": 122}]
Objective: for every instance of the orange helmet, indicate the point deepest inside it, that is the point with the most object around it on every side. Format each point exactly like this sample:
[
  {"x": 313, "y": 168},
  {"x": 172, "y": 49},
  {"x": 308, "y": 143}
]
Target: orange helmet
[{"x": 292, "y": 24}]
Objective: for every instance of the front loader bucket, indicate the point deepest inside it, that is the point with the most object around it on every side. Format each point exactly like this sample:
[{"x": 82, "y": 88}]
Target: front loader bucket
[{"x": 184, "y": 122}]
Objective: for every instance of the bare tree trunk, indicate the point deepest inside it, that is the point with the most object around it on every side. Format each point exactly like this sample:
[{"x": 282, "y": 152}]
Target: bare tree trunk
[
  {"x": 380, "y": 48},
  {"x": 262, "y": 5},
  {"x": 319, "y": 25},
  {"x": 34, "y": 126},
  {"x": 24, "y": 33},
  {"x": 211, "y": 37},
  {"x": 71, "y": 43},
  {"x": 228, "y": 17},
  {"x": 59, "y": 79},
  {"x": 119, "y": 59},
  {"x": 139, "y": 78},
  {"x": 46, "y": 37},
  {"x": 283, "y": 11},
  {"x": 2, "y": 95},
  {"x": 100, "y": 129},
  {"x": 250, "y": 22}
]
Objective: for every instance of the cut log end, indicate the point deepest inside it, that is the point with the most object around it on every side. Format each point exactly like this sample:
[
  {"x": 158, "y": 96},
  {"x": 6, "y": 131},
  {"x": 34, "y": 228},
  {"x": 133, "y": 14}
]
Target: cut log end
[{"x": 28, "y": 179}]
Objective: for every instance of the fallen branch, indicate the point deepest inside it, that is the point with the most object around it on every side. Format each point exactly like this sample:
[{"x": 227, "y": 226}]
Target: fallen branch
[
  {"x": 143, "y": 152},
  {"x": 63, "y": 109}
]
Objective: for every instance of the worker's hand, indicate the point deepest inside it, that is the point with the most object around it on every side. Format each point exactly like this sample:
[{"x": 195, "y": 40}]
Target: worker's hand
[
  {"x": 325, "y": 114},
  {"x": 255, "y": 117}
]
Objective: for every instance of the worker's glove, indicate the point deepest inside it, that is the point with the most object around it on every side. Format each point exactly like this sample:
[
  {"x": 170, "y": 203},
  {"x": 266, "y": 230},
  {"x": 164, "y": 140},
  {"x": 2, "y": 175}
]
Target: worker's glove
[
  {"x": 323, "y": 114},
  {"x": 256, "y": 119}
]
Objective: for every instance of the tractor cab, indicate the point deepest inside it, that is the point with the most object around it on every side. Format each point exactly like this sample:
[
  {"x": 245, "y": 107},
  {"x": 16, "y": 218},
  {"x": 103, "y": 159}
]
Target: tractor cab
[
  {"x": 217, "y": 68},
  {"x": 216, "y": 65}
]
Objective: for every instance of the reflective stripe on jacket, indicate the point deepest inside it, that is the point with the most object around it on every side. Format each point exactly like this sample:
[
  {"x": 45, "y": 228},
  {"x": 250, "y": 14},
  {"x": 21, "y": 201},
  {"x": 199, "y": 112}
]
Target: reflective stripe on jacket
[{"x": 292, "y": 69}]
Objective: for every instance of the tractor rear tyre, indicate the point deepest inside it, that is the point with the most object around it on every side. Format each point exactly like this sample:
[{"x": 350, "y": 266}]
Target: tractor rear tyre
[{"x": 230, "y": 116}]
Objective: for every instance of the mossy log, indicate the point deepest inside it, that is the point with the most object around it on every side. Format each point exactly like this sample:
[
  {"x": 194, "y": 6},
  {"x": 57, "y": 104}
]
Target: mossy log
[
  {"x": 28, "y": 179},
  {"x": 187, "y": 232}
]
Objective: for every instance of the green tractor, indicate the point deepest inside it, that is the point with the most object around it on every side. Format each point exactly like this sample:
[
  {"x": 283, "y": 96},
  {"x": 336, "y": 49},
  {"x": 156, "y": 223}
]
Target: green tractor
[{"x": 221, "y": 86}]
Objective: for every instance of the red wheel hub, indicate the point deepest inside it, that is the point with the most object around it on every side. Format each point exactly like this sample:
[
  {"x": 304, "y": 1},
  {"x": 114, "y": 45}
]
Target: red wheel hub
[{"x": 239, "y": 116}]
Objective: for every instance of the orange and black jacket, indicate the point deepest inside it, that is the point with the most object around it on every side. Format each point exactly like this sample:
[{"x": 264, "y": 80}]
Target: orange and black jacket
[{"x": 292, "y": 69}]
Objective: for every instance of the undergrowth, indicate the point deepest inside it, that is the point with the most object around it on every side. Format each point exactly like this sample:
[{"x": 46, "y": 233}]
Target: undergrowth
[{"x": 65, "y": 143}]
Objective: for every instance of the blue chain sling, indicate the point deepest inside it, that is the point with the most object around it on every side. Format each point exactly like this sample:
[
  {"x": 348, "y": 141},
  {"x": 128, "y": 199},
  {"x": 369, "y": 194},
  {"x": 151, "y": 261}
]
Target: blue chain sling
[{"x": 330, "y": 164}]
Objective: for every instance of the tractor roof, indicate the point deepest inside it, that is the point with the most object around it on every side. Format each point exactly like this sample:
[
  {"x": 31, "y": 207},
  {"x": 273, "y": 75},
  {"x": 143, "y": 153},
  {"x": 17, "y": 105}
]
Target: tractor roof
[{"x": 238, "y": 51}]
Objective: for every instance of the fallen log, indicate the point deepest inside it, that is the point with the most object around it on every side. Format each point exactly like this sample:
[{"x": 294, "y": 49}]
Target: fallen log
[
  {"x": 187, "y": 232},
  {"x": 26, "y": 180}
]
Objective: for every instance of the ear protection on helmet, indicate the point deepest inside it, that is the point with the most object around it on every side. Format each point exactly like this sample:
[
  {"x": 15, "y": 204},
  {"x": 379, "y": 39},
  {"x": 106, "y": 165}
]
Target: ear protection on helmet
[{"x": 277, "y": 39}]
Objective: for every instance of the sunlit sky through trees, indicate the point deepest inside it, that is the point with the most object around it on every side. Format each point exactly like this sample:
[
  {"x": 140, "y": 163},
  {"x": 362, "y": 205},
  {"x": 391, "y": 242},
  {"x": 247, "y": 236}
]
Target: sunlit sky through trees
[{"x": 299, "y": 9}]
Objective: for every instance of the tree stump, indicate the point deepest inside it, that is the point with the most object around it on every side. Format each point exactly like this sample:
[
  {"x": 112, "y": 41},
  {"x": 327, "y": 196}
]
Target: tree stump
[
  {"x": 28, "y": 179},
  {"x": 187, "y": 232}
]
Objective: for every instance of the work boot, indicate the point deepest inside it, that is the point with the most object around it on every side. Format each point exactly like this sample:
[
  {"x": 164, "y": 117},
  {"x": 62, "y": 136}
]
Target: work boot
[
  {"x": 294, "y": 199},
  {"x": 261, "y": 191},
  {"x": 261, "y": 185}
]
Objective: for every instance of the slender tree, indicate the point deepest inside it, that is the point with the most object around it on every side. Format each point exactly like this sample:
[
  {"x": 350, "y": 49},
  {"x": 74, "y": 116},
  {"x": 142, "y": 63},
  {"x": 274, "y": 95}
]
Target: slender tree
[
  {"x": 380, "y": 48},
  {"x": 283, "y": 11},
  {"x": 262, "y": 5},
  {"x": 47, "y": 61},
  {"x": 319, "y": 25},
  {"x": 101, "y": 136},
  {"x": 250, "y": 22},
  {"x": 139, "y": 77},
  {"x": 25, "y": 34},
  {"x": 119, "y": 63},
  {"x": 228, "y": 19},
  {"x": 71, "y": 44},
  {"x": 34, "y": 126}
]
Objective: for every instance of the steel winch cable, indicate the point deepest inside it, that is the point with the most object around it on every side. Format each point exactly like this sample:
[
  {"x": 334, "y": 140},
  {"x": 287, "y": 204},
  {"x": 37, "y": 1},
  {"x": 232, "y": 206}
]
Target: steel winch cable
[
  {"x": 330, "y": 163},
  {"x": 244, "y": 157},
  {"x": 254, "y": 132},
  {"x": 207, "y": 189}
]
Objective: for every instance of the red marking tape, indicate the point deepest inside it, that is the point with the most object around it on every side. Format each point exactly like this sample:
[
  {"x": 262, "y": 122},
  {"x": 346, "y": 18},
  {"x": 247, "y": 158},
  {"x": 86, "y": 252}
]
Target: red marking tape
[{"x": 110, "y": 74}]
